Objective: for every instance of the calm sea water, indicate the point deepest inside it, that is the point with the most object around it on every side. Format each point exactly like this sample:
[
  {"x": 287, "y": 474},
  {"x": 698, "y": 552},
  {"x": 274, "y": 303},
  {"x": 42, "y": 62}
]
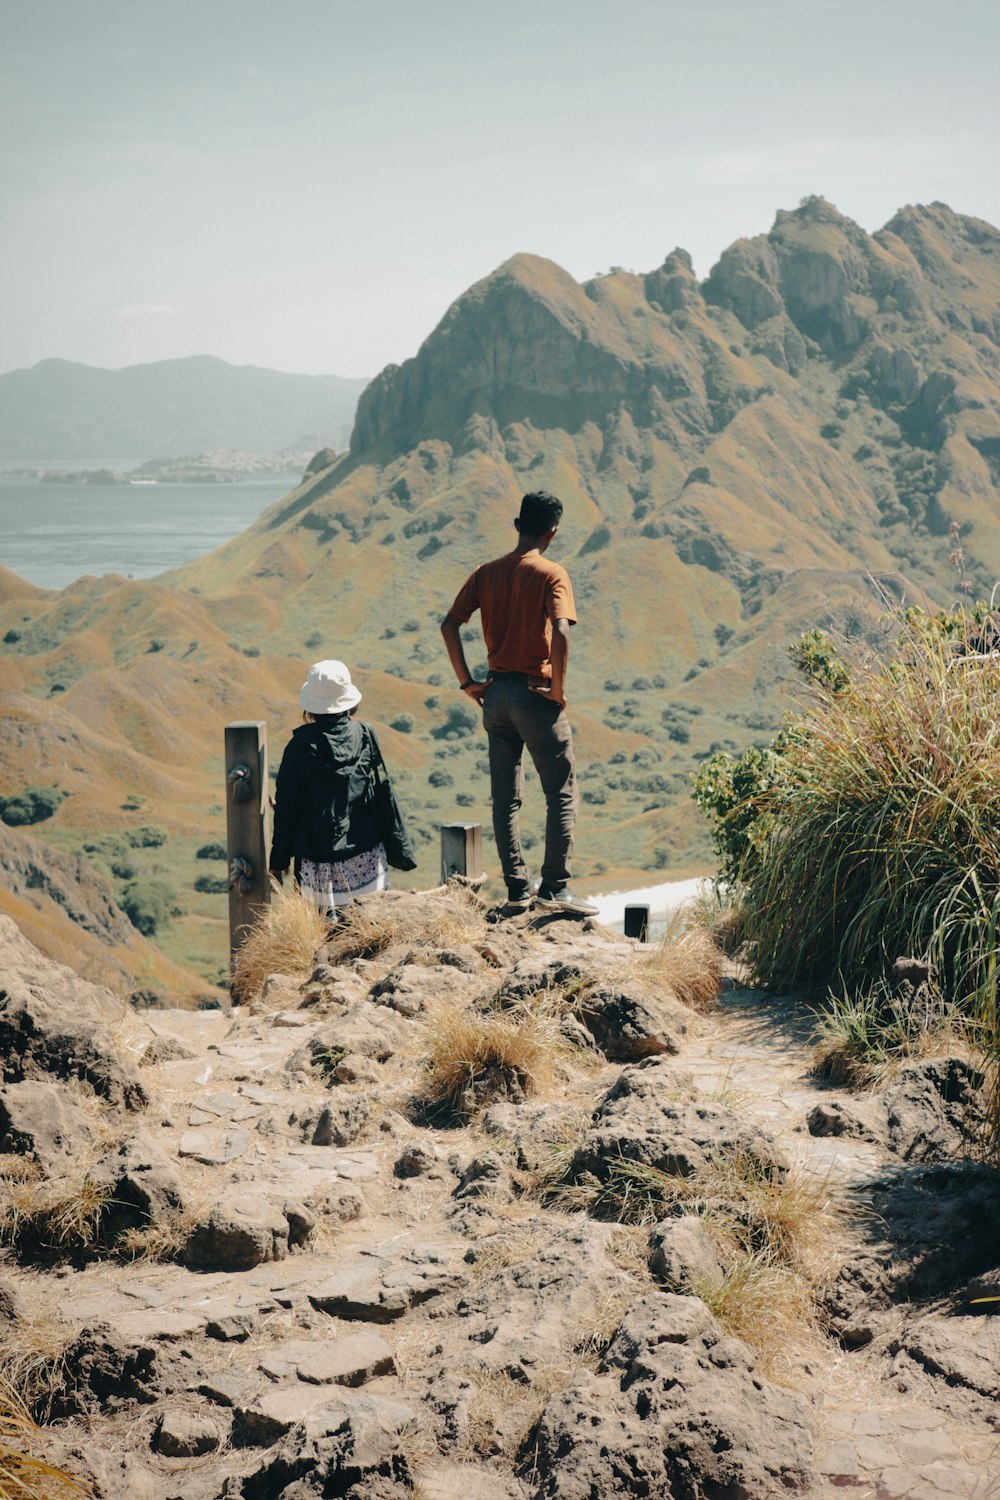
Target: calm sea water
[{"x": 51, "y": 533}]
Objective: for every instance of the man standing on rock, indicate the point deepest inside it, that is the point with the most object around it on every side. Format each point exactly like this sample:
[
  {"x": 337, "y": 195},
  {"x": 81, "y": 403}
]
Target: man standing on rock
[{"x": 527, "y": 609}]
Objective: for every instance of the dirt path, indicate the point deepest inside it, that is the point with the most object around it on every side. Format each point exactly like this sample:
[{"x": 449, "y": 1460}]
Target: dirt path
[{"x": 874, "y": 1440}]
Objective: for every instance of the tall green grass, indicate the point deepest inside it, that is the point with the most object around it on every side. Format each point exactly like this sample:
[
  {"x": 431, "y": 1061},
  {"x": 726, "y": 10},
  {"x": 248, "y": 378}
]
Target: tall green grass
[
  {"x": 885, "y": 827},
  {"x": 875, "y": 832}
]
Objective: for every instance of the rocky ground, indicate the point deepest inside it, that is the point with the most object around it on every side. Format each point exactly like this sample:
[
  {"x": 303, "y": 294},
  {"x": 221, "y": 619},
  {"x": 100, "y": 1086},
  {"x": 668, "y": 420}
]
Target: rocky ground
[{"x": 260, "y": 1254}]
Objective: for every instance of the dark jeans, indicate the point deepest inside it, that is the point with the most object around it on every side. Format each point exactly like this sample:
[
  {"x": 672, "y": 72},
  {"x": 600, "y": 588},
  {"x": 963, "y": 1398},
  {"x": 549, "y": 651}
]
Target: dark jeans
[{"x": 514, "y": 716}]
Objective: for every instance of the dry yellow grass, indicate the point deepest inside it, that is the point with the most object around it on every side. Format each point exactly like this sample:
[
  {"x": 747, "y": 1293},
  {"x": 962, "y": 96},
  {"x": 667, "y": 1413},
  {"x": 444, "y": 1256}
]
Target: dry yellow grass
[
  {"x": 768, "y": 1306},
  {"x": 24, "y": 1473},
  {"x": 686, "y": 961},
  {"x": 475, "y": 1057},
  {"x": 776, "y": 1240},
  {"x": 31, "y": 1359},
  {"x": 283, "y": 940},
  {"x": 594, "y": 1334},
  {"x": 58, "y": 1214},
  {"x": 503, "y": 1410},
  {"x": 162, "y": 1240}
]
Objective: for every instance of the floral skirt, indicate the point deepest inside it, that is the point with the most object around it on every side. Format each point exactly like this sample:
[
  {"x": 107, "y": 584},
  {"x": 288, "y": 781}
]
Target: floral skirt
[{"x": 335, "y": 885}]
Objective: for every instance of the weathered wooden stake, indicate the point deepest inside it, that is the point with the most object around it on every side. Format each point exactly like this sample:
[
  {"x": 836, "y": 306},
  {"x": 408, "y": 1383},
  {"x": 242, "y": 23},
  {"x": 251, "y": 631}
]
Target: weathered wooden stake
[
  {"x": 247, "y": 833},
  {"x": 637, "y": 923},
  {"x": 462, "y": 850}
]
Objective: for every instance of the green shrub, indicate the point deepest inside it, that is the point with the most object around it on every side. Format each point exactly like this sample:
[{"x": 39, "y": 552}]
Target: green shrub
[
  {"x": 212, "y": 885},
  {"x": 148, "y": 904},
  {"x": 460, "y": 720},
  {"x": 211, "y": 851},
  {"x": 404, "y": 723},
  {"x": 150, "y": 837},
  {"x": 33, "y": 805},
  {"x": 733, "y": 795}
]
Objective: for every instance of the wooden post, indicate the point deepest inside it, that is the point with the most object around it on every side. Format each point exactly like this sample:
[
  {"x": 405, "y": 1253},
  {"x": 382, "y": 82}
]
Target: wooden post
[
  {"x": 637, "y": 923},
  {"x": 247, "y": 833},
  {"x": 462, "y": 850}
]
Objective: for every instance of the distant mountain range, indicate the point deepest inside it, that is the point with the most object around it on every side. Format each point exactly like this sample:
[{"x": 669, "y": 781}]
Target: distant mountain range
[
  {"x": 740, "y": 458},
  {"x": 59, "y": 409}
]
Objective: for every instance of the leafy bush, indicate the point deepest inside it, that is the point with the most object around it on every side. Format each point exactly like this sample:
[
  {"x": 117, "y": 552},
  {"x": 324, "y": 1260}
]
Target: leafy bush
[
  {"x": 148, "y": 904},
  {"x": 404, "y": 723},
  {"x": 211, "y": 851},
  {"x": 150, "y": 837},
  {"x": 33, "y": 805},
  {"x": 212, "y": 885},
  {"x": 732, "y": 793},
  {"x": 460, "y": 720}
]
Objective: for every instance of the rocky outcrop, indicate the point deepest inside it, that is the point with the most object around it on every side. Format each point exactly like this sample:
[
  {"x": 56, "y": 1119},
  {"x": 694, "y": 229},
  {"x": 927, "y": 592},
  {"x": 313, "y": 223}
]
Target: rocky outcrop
[
  {"x": 467, "y": 1309},
  {"x": 650, "y": 1116},
  {"x": 675, "y": 1408},
  {"x": 55, "y": 1024},
  {"x": 30, "y": 866}
]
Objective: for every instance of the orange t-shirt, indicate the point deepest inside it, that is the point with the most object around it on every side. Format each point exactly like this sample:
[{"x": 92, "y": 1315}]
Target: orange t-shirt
[{"x": 519, "y": 595}]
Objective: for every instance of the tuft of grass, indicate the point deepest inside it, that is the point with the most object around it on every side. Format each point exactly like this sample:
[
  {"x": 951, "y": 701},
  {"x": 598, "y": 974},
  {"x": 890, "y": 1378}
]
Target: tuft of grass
[
  {"x": 633, "y": 1193},
  {"x": 475, "y": 1058},
  {"x": 24, "y": 1473},
  {"x": 594, "y": 1333},
  {"x": 504, "y": 1409},
  {"x": 773, "y": 1238},
  {"x": 32, "y": 1361},
  {"x": 864, "y": 1035},
  {"x": 59, "y": 1215},
  {"x": 716, "y": 908},
  {"x": 159, "y": 1241},
  {"x": 767, "y": 1305},
  {"x": 283, "y": 939},
  {"x": 511, "y": 1247},
  {"x": 686, "y": 960}
]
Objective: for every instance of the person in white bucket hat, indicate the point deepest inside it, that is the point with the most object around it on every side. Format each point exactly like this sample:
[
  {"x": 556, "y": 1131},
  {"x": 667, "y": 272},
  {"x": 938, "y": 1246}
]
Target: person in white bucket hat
[{"x": 326, "y": 816}]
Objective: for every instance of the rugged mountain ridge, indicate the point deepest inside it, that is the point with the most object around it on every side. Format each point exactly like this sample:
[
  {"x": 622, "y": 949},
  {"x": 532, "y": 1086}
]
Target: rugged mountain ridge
[{"x": 774, "y": 448}]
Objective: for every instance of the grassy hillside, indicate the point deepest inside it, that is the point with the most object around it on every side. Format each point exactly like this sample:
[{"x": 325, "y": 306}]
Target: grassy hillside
[
  {"x": 59, "y": 409},
  {"x": 740, "y": 460}
]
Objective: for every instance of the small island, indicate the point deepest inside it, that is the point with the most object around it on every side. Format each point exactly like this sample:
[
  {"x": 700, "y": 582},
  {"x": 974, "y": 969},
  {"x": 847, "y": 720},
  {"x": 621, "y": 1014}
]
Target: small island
[{"x": 222, "y": 466}]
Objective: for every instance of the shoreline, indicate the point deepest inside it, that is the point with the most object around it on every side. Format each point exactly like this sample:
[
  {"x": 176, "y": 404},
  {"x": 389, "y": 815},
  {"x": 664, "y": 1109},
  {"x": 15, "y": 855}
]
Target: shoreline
[{"x": 661, "y": 899}]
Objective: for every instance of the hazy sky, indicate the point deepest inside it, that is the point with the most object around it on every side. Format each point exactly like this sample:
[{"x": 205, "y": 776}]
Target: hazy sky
[{"x": 307, "y": 184}]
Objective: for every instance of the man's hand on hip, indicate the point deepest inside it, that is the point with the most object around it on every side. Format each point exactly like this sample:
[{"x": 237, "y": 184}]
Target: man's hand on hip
[{"x": 547, "y": 690}]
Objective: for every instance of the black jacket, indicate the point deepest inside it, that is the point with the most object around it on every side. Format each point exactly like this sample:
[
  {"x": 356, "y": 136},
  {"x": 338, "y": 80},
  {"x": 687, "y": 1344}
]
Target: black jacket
[{"x": 324, "y": 808}]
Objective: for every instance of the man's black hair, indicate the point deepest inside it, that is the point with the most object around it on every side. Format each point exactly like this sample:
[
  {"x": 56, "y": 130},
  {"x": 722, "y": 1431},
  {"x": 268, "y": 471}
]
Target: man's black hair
[{"x": 540, "y": 512}]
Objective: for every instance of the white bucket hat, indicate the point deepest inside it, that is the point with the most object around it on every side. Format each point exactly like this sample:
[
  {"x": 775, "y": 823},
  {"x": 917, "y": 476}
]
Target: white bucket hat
[{"x": 328, "y": 689}]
